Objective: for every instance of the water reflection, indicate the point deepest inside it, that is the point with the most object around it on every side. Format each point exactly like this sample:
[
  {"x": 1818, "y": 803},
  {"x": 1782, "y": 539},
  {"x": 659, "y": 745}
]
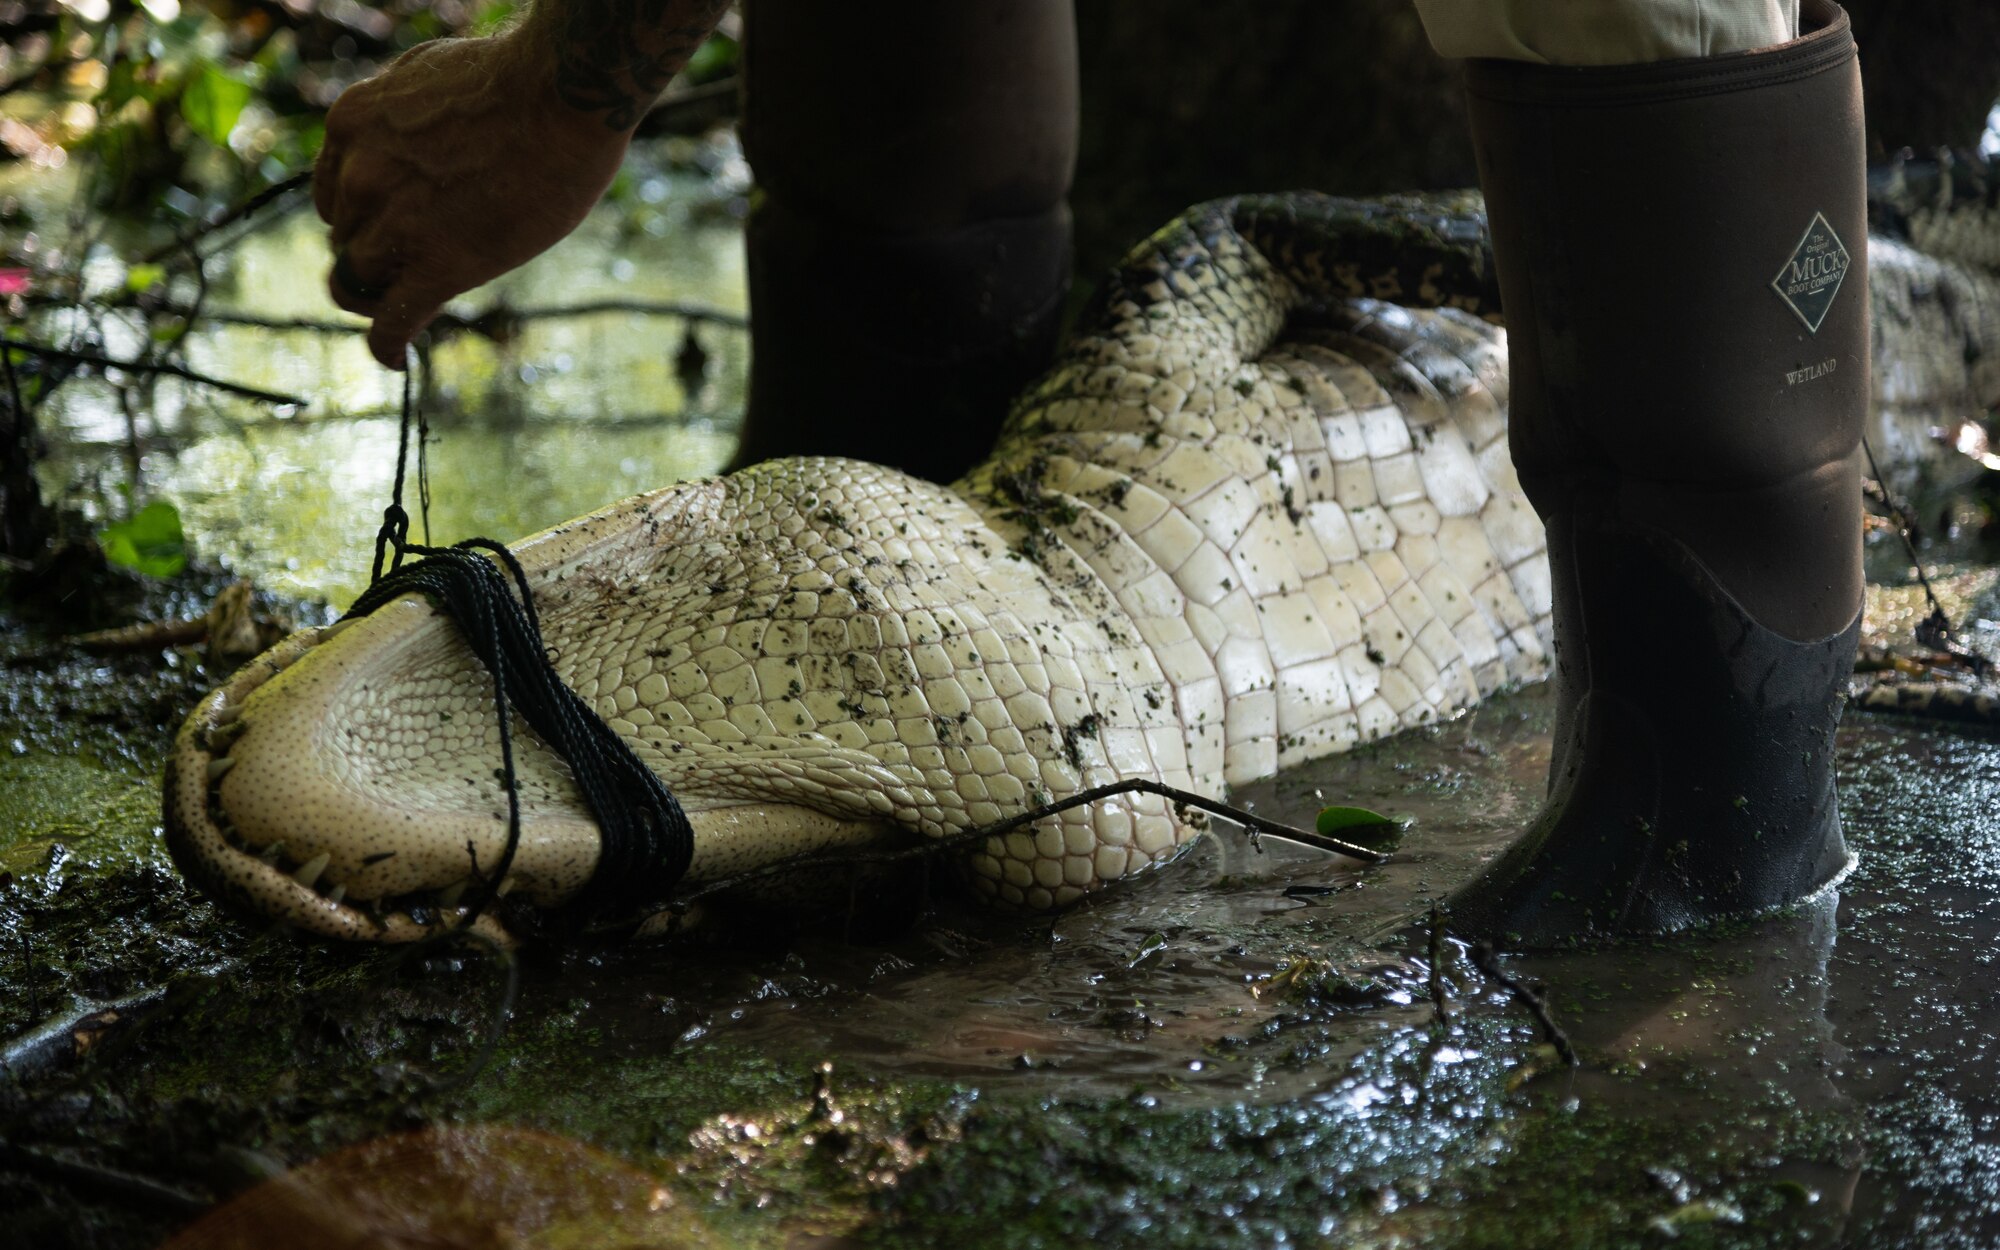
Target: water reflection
[{"x": 553, "y": 418}]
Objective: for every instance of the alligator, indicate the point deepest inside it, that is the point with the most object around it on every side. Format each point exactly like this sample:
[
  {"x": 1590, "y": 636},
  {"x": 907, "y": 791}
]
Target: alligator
[{"x": 1260, "y": 510}]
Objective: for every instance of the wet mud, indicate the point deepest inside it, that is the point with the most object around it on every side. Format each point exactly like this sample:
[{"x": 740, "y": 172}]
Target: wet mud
[{"x": 1228, "y": 1052}]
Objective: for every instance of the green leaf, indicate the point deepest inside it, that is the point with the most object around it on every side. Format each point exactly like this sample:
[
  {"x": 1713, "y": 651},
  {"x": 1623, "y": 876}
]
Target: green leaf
[
  {"x": 492, "y": 18},
  {"x": 151, "y": 541},
  {"x": 1334, "y": 820},
  {"x": 141, "y": 278},
  {"x": 715, "y": 58},
  {"x": 212, "y": 103}
]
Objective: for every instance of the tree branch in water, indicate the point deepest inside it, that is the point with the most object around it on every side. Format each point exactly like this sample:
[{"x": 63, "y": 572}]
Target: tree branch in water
[{"x": 155, "y": 367}]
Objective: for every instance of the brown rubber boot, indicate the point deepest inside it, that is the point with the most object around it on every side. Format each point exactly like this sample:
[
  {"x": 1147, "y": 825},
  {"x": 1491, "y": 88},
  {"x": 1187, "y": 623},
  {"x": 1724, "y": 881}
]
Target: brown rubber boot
[
  {"x": 1682, "y": 259},
  {"x": 909, "y": 246}
]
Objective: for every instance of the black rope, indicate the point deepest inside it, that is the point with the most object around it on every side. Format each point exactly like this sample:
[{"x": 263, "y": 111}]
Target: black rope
[{"x": 646, "y": 842}]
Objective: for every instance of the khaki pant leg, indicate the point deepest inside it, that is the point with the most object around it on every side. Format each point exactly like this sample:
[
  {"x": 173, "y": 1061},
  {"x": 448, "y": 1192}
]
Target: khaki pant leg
[{"x": 1605, "y": 32}]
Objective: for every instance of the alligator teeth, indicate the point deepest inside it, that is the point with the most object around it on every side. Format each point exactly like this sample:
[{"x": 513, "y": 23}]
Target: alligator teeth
[
  {"x": 327, "y": 632},
  {"x": 337, "y": 893},
  {"x": 309, "y": 871},
  {"x": 449, "y": 896},
  {"x": 271, "y": 853},
  {"x": 218, "y": 767},
  {"x": 222, "y": 737},
  {"x": 227, "y": 714}
]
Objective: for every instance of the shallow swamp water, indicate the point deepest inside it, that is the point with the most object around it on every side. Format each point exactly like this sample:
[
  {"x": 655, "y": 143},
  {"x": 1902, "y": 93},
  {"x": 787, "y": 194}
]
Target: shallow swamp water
[{"x": 1223, "y": 1054}]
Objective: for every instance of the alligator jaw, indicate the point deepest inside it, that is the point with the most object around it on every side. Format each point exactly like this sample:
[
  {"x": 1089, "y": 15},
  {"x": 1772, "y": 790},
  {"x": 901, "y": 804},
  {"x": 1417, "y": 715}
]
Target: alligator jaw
[
  {"x": 318, "y": 876},
  {"x": 260, "y": 879}
]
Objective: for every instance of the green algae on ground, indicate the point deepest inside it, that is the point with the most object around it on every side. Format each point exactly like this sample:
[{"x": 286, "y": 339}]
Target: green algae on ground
[{"x": 60, "y": 815}]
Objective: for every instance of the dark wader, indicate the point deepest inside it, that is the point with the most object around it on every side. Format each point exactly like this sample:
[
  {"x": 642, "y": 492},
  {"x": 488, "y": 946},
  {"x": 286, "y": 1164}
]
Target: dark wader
[{"x": 909, "y": 248}]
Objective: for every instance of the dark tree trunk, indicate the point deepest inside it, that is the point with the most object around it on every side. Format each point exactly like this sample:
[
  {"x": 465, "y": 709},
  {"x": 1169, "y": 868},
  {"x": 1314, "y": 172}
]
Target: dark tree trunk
[
  {"x": 909, "y": 248},
  {"x": 1930, "y": 70},
  {"x": 24, "y": 519},
  {"x": 1185, "y": 101}
]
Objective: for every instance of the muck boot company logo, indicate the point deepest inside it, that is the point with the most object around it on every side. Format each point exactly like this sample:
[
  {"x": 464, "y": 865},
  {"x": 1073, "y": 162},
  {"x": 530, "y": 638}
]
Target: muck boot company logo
[{"x": 1811, "y": 278}]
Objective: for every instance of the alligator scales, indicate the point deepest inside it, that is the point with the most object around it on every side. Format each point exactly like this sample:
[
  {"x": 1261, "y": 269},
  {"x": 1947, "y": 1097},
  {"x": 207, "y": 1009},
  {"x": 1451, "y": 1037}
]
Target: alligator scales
[{"x": 1258, "y": 512}]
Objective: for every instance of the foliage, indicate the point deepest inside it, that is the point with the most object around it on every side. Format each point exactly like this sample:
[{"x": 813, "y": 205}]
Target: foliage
[
  {"x": 150, "y": 541},
  {"x": 1358, "y": 824},
  {"x": 715, "y": 59},
  {"x": 212, "y": 102},
  {"x": 186, "y": 108}
]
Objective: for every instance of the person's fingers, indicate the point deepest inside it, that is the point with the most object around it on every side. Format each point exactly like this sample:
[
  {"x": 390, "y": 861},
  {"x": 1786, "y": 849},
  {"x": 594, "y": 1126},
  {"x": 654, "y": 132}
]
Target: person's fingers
[
  {"x": 340, "y": 123},
  {"x": 401, "y": 315},
  {"x": 362, "y": 273},
  {"x": 362, "y": 190},
  {"x": 352, "y": 292}
]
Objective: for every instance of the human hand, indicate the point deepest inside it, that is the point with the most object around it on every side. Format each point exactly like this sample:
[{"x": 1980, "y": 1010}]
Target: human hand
[{"x": 452, "y": 166}]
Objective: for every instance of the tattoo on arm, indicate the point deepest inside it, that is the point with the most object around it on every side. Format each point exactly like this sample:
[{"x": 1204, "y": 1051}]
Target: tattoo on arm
[{"x": 616, "y": 56}]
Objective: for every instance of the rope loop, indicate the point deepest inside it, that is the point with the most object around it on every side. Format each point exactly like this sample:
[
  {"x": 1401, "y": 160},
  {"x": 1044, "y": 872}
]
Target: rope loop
[{"x": 646, "y": 841}]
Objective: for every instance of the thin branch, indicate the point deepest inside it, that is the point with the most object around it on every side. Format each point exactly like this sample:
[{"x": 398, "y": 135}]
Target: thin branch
[
  {"x": 1934, "y": 631},
  {"x": 1488, "y": 963},
  {"x": 247, "y": 208},
  {"x": 648, "y": 308},
  {"x": 54, "y": 1040},
  {"x": 1909, "y": 545},
  {"x": 1132, "y": 785},
  {"x": 490, "y": 323},
  {"x": 91, "y": 1179},
  {"x": 159, "y": 367},
  {"x": 1439, "y": 1002},
  {"x": 503, "y": 1010}
]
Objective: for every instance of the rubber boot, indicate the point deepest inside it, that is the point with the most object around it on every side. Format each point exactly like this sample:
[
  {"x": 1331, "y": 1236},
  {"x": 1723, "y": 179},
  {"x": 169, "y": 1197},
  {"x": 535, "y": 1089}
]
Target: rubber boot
[
  {"x": 1681, "y": 250},
  {"x": 909, "y": 247}
]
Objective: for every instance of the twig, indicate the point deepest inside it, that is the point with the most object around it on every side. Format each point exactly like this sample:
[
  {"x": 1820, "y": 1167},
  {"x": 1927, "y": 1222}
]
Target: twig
[
  {"x": 668, "y": 308},
  {"x": 503, "y": 1011},
  {"x": 1903, "y": 532},
  {"x": 141, "y": 366},
  {"x": 1132, "y": 785},
  {"x": 1439, "y": 1002},
  {"x": 1934, "y": 631},
  {"x": 1895, "y": 506},
  {"x": 54, "y": 1040},
  {"x": 90, "y": 1178},
  {"x": 486, "y": 323},
  {"x": 1488, "y": 963},
  {"x": 247, "y": 208}
]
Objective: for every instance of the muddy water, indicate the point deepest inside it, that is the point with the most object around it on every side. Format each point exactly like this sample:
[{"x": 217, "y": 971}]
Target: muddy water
[{"x": 1234, "y": 1051}]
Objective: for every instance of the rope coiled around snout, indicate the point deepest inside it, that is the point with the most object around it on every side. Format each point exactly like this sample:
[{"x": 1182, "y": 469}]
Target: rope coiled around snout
[{"x": 646, "y": 843}]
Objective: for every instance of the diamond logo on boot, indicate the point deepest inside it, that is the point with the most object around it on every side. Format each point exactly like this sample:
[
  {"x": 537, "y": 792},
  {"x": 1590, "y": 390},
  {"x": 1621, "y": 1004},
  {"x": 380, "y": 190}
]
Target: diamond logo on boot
[{"x": 1812, "y": 277}]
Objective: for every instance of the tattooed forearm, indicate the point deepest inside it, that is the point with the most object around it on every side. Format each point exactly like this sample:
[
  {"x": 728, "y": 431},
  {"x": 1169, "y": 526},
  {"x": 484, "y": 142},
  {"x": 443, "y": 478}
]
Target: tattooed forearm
[{"x": 614, "y": 57}]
